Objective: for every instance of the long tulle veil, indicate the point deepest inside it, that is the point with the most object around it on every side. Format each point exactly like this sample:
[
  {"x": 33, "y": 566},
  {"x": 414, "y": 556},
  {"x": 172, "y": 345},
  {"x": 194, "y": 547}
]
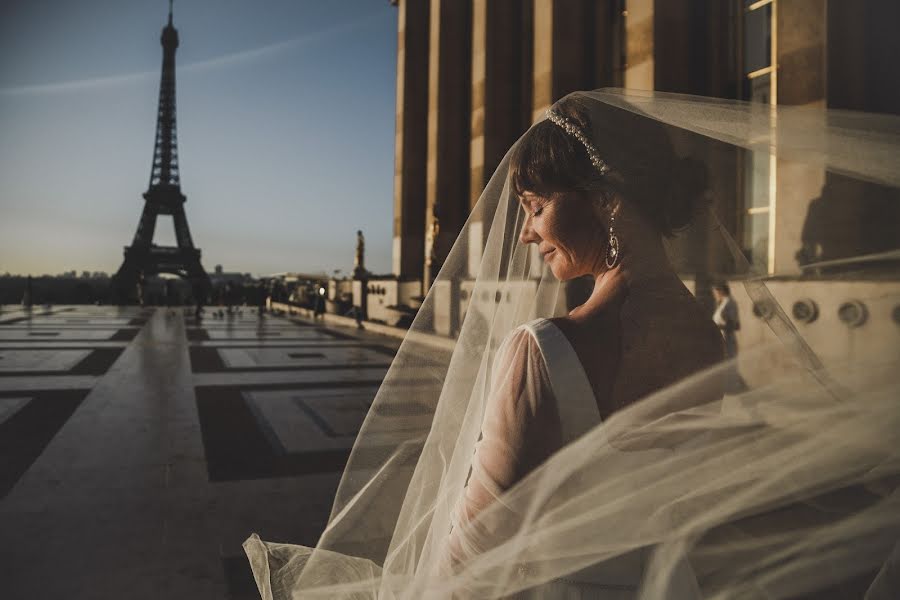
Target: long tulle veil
[{"x": 786, "y": 489}]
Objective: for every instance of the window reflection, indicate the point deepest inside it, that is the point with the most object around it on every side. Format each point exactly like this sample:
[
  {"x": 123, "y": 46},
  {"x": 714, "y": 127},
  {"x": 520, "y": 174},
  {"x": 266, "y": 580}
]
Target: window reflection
[{"x": 759, "y": 74}]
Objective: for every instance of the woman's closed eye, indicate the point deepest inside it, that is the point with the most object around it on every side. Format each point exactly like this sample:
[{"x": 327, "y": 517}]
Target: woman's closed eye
[
  {"x": 536, "y": 207},
  {"x": 533, "y": 205}
]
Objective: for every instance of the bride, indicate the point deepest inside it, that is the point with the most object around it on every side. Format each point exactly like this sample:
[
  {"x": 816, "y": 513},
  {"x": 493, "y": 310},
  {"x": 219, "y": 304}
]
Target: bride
[
  {"x": 639, "y": 330},
  {"x": 577, "y": 444}
]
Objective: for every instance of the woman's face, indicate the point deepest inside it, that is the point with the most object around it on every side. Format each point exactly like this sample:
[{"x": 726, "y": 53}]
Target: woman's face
[{"x": 567, "y": 232}]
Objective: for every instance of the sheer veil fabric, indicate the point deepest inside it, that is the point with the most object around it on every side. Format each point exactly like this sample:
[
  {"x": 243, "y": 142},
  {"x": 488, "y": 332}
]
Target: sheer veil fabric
[{"x": 787, "y": 489}]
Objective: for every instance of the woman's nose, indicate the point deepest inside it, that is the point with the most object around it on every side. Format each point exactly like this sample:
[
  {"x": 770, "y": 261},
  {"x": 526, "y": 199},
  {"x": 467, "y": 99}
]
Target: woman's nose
[{"x": 527, "y": 235}]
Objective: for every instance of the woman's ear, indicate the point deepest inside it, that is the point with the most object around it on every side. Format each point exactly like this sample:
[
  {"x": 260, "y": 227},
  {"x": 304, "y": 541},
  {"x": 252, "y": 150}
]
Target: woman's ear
[{"x": 606, "y": 205}]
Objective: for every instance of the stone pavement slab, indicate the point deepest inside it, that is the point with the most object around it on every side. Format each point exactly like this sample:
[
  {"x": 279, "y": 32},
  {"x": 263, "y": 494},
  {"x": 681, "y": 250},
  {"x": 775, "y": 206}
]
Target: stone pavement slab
[{"x": 141, "y": 447}]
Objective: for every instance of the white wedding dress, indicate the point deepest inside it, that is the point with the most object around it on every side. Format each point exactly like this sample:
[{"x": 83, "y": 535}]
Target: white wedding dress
[{"x": 524, "y": 424}]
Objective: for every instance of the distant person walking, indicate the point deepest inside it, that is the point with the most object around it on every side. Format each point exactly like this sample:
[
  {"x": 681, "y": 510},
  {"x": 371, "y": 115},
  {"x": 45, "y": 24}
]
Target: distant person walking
[
  {"x": 200, "y": 292},
  {"x": 319, "y": 303},
  {"x": 262, "y": 294},
  {"x": 141, "y": 288},
  {"x": 727, "y": 319}
]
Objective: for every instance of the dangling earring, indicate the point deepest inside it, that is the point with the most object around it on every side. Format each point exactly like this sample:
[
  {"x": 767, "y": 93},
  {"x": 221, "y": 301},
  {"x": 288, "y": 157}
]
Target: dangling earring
[{"x": 612, "y": 247}]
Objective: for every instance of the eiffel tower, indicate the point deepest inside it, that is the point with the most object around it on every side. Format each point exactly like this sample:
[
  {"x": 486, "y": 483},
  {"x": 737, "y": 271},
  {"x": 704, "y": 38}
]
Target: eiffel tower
[{"x": 163, "y": 197}]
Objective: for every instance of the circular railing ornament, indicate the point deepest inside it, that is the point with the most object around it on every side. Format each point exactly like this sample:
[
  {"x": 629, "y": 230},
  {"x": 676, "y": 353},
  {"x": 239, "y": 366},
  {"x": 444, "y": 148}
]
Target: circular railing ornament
[
  {"x": 764, "y": 309},
  {"x": 853, "y": 313},
  {"x": 805, "y": 310}
]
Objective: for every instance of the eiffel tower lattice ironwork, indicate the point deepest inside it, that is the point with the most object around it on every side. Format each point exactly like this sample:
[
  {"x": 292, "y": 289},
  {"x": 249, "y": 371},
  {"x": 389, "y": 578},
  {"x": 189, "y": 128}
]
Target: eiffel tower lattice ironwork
[{"x": 163, "y": 197}]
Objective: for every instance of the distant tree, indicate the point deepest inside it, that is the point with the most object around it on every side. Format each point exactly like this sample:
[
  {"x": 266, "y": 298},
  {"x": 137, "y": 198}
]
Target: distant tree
[{"x": 83, "y": 294}]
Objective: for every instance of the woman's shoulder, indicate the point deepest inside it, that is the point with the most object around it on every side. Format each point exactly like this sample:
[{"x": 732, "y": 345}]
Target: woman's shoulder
[
  {"x": 520, "y": 337},
  {"x": 544, "y": 338},
  {"x": 537, "y": 330},
  {"x": 546, "y": 332}
]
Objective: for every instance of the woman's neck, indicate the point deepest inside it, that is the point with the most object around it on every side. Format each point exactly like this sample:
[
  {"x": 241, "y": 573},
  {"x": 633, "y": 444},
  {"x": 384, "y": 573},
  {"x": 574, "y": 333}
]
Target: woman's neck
[{"x": 642, "y": 258}]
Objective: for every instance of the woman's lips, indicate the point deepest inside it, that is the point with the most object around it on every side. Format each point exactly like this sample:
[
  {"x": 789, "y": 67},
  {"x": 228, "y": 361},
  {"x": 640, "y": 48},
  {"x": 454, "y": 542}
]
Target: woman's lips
[{"x": 548, "y": 253}]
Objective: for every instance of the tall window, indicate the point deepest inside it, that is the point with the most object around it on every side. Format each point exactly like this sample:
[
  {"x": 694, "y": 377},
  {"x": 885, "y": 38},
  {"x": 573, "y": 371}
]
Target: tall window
[{"x": 759, "y": 69}]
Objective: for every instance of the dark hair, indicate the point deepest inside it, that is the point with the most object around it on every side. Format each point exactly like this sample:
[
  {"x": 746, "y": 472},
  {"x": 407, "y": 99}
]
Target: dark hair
[
  {"x": 722, "y": 287},
  {"x": 644, "y": 168}
]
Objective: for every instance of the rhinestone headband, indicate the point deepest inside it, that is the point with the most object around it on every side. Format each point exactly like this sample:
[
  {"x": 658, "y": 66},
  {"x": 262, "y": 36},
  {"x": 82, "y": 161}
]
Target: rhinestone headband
[{"x": 576, "y": 132}]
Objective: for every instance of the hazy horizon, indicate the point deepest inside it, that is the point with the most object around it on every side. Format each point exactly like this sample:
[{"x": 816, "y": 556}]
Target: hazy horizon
[{"x": 285, "y": 132}]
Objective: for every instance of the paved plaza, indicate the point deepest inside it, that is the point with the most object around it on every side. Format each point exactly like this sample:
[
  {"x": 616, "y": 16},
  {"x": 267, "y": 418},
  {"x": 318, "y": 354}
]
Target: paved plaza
[{"x": 139, "y": 447}]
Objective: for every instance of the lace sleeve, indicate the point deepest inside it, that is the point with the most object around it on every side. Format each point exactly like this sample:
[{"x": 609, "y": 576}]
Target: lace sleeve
[{"x": 520, "y": 430}]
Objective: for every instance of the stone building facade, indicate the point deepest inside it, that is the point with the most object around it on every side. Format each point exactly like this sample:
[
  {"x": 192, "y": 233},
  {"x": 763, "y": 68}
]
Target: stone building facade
[{"x": 472, "y": 75}]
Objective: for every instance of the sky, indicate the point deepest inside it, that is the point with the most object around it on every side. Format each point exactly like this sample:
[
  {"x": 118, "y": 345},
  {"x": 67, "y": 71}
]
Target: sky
[{"x": 285, "y": 131}]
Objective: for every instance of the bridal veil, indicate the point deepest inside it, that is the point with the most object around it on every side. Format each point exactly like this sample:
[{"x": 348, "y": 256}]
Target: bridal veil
[{"x": 788, "y": 489}]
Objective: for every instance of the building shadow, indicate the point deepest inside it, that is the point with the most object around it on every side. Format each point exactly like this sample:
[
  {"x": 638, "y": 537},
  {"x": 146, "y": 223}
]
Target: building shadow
[{"x": 851, "y": 218}]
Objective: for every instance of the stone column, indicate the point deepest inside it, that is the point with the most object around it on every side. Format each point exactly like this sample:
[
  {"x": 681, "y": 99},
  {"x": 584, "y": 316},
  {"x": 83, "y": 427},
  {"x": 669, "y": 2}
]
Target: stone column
[
  {"x": 609, "y": 43},
  {"x": 691, "y": 42},
  {"x": 693, "y": 51},
  {"x": 410, "y": 146},
  {"x": 447, "y": 180},
  {"x": 800, "y": 59},
  {"x": 801, "y": 30},
  {"x": 567, "y": 57},
  {"x": 639, "y": 55},
  {"x": 501, "y": 55}
]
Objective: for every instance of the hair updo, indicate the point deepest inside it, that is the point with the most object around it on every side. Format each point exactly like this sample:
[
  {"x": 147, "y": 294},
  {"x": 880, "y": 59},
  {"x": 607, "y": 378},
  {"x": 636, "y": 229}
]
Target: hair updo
[{"x": 668, "y": 190}]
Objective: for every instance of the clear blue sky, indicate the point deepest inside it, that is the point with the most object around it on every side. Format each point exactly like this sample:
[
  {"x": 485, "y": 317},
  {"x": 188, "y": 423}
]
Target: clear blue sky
[{"x": 285, "y": 125}]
